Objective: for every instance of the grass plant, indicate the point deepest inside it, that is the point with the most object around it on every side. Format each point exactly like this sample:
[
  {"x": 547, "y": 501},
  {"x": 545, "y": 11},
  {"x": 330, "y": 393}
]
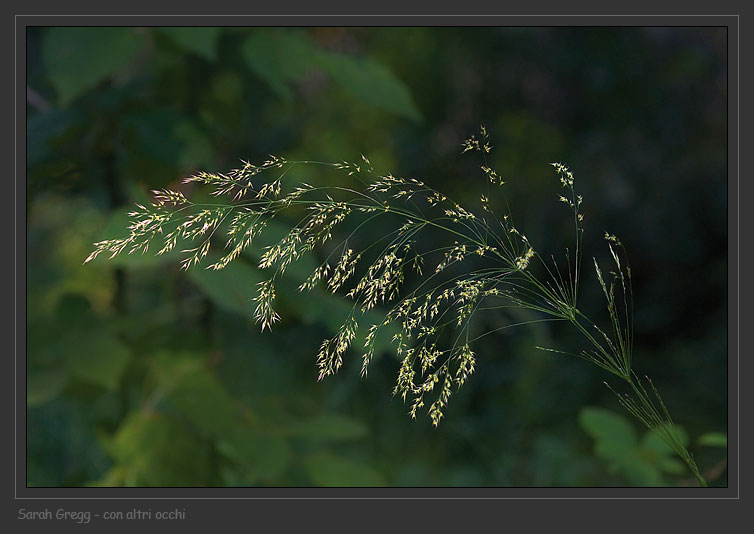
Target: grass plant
[{"x": 433, "y": 295}]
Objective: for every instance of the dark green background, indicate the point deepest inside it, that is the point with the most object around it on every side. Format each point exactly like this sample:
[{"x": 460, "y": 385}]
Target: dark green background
[{"x": 140, "y": 374}]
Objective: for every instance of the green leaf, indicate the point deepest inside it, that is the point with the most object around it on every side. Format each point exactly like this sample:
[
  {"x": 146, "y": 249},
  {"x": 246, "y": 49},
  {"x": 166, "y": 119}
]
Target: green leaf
[
  {"x": 197, "y": 151},
  {"x": 614, "y": 436},
  {"x": 262, "y": 456},
  {"x": 168, "y": 367},
  {"x": 326, "y": 469},
  {"x": 151, "y": 136},
  {"x": 672, "y": 466},
  {"x": 371, "y": 82},
  {"x": 43, "y": 386},
  {"x": 232, "y": 288},
  {"x": 713, "y": 439},
  {"x": 156, "y": 450},
  {"x": 641, "y": 473},
  {"x": 201, "y": 398},
  {"x": 279, "y": 57},
  {"x": 328, "y": 427},
  {"x": 201, "y": 40},
  {"x": 656, "y": 452},
  {"x": 78, "y": 58},
  {"x": 652, "y": 441},
  {"x": 316, "y": 306},
  {"x": 113, "y": 478},
  {"x": 616, "y": 443},
  {"x": 98, "y": 358}
]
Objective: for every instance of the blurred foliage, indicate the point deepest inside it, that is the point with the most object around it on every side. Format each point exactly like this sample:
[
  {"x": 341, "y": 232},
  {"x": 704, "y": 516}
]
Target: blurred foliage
[
  {"x": 642, "y": 463},
  {"x": 139, "y": 374}
]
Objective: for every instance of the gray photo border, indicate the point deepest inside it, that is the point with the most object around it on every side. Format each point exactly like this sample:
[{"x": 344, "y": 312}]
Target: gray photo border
[{"x": 208, "y": 505}]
